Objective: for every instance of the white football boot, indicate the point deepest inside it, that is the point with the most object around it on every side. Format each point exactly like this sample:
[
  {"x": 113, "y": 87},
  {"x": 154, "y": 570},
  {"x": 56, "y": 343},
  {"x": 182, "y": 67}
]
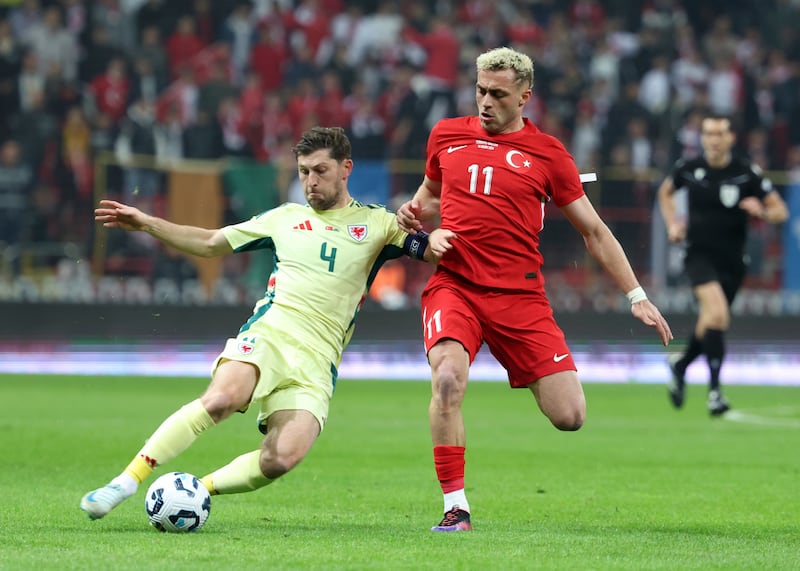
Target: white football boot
[{"x": 99, "y": 502}]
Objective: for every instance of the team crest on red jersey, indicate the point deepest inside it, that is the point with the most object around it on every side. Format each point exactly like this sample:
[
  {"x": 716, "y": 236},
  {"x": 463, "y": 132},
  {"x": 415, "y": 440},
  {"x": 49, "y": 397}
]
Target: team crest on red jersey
[
  {"x": 357, "y": 231},
  {"x": 516, "y": 159},
  {"x": 247, "y": 345}
]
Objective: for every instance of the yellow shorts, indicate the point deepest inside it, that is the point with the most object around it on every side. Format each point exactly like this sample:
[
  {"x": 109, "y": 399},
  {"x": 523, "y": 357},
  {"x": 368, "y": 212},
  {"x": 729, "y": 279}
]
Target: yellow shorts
[{"x": 291, "y": 376}]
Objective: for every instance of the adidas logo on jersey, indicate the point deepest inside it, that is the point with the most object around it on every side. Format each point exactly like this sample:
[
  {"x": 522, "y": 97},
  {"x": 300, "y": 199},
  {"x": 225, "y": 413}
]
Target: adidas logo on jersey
[{"x": 303, "y": 226}]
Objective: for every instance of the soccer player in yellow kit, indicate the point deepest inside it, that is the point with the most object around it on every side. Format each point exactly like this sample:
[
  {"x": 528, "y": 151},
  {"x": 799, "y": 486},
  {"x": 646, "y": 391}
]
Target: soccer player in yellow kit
[{"x": 284, "y": 359}]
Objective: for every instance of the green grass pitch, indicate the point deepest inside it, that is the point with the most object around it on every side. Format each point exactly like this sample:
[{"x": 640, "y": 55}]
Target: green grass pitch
[{"x": 641, "y": 486}]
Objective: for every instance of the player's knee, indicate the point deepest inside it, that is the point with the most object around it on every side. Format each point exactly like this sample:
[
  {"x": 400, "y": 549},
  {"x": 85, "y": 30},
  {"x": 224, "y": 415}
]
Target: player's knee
[
  {"x": 569, "y": 420},
  {"x": 716, "y": 320},
  {"x": 220, "y": 405},
  {"x": 449, "y": 386},
  {"x": 274, "y": 465},
  {"x": 715, "y": 316}
]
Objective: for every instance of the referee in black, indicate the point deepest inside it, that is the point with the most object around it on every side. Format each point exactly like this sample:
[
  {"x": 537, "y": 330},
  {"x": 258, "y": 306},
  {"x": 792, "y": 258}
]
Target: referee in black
[{"x": 723, "y": 192}]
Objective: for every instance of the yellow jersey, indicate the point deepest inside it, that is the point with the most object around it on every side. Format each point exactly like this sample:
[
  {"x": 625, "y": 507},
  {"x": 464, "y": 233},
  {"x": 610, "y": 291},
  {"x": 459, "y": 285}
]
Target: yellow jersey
[{"x": 324, "y": 263}]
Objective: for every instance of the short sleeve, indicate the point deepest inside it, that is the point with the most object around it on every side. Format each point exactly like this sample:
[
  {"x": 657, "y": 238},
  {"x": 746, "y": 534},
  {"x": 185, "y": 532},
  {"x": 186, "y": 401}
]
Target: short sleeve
[
  {"x": 432, "y": 169},
  {"x": 565, "y": 179},
  {"x": 252, "y": 234}
]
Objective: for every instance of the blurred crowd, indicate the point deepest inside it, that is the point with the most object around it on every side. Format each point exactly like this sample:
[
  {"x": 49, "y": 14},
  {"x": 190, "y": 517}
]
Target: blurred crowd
[{"x": 622, "y": 83}]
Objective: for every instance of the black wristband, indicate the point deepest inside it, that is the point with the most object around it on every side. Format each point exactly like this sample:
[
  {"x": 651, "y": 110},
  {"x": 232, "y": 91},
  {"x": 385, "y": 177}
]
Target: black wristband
[{"x": 416, "y": 244}]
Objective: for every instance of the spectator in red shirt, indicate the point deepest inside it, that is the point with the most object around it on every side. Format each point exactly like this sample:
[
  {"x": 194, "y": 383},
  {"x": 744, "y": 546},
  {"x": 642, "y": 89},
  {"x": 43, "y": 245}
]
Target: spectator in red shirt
[
  {"x": 268, "y": 56},
  {"x": 304, "y": 102},
  {"x": 590, "y": 16},
  {"x": 312, "y": 21},
  {"x": 524, "y": 30},
  {"x": 442, "y": 50},
  {"x": 251, "y": 105},
  {"x": 476, "y": 11},
  {"x": 331, "y": 106},
  {"x": 182, "y": 95},
  {"x": 215, "y": 54},
  {"x": 110, "y": 90},
  {"x": 183, "y": 45},
  {"x": 276, "y": 127}
]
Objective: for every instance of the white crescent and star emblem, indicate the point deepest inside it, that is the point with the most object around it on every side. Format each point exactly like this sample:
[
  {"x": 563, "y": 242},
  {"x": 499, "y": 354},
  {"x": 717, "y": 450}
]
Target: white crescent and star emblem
[{"x": 510, "y": 159}]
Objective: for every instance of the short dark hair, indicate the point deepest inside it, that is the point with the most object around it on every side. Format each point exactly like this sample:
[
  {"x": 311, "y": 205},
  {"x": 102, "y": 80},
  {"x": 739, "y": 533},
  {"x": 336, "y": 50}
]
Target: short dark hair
[
  {"x": 716, "y": 116},
  {"x": 316, "y": 138}
]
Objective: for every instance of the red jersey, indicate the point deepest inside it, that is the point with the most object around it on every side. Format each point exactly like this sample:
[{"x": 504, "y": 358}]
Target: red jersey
[
  {"x": 494, "y": 191},
  {"x": 111, "y": 95}
]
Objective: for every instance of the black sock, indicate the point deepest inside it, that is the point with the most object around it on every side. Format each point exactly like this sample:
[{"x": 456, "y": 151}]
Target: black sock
[
  {"x": 692, "y": 352},
  {"x": 714, "y": 348}
]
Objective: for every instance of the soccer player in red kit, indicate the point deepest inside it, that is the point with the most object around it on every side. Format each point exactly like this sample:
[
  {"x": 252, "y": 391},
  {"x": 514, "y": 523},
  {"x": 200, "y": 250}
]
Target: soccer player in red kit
[{"x": 490, "y": 177}]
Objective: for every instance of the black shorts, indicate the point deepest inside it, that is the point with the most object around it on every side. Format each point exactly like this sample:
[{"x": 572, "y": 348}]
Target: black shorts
[{"x": 703, "y": 268}]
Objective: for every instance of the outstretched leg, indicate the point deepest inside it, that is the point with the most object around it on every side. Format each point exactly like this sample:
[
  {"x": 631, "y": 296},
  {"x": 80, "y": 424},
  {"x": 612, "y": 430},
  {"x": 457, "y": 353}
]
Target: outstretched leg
[
  {"x": 290, "y": 435},
  {"x": 230, "y": 390}
]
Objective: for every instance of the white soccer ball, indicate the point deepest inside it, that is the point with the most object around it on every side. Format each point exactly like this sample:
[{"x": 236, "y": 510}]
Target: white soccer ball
[{"x": 177, "y": 502}]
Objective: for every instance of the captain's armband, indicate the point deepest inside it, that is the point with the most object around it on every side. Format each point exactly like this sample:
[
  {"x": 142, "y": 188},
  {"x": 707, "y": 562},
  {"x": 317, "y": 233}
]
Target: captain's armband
[{"x": 415, "y": 245}]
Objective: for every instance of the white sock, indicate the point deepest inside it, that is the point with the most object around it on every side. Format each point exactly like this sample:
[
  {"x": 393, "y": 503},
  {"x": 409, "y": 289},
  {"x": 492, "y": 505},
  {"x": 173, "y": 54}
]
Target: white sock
[
  {"x": 457, "y": 499},
  {"x": 127, "y": 483}
]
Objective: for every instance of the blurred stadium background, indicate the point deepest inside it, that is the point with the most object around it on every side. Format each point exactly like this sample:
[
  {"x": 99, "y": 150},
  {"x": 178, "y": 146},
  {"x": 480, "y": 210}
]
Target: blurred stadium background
[{"x": 187, "y": 108}]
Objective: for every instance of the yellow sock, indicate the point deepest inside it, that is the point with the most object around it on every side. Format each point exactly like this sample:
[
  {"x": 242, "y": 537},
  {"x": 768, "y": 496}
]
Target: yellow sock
[
  {"x": 208, "y": 482},
  {"x": 174, "y": 436},
  {"x": 139, "y": 469},
  {"x": 243, "y": 474}
]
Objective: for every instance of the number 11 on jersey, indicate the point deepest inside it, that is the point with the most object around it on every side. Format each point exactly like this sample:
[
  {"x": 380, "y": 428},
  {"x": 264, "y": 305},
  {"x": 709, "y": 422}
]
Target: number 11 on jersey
[
  {"x": 473, "y": 178},
  {"x": 434, "y": 324}
]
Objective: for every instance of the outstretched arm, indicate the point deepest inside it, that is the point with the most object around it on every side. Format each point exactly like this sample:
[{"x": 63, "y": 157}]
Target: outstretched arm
[
  {"x": 190, "y": 239},
  {"x": 606, "y": 249},
  {"x": 422, "y": 207}
]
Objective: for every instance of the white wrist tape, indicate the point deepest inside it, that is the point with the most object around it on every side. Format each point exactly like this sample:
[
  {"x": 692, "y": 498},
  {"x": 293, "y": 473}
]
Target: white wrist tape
[{"x": 636, "y": 295}]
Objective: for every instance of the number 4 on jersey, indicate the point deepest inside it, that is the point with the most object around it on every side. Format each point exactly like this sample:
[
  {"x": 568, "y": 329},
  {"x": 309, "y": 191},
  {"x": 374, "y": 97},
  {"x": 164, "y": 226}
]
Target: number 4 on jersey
[{"x": 328, "y": 257}]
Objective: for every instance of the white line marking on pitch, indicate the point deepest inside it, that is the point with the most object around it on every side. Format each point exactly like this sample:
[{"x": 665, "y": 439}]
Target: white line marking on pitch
[{"x": 747, "y": 418}]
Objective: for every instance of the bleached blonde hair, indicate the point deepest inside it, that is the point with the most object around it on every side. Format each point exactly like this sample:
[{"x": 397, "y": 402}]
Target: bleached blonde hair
[{"x": 498, "y": 59}]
